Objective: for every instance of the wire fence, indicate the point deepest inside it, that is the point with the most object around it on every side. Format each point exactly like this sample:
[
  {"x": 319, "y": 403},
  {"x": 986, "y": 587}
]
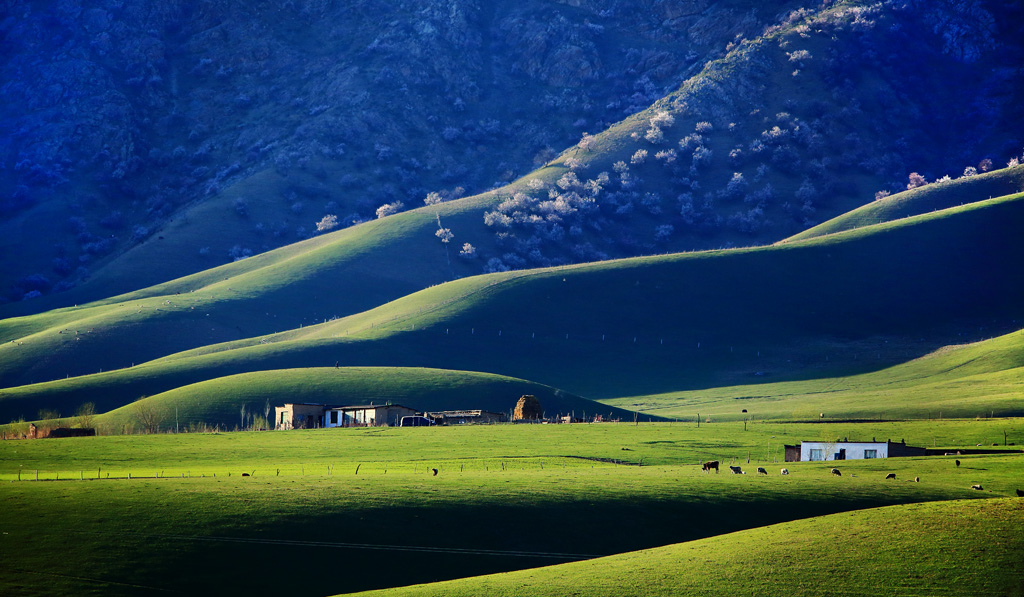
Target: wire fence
[{"x": 319, "y": 469}]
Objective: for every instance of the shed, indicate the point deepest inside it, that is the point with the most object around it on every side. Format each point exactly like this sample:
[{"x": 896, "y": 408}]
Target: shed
[
  {"x": 299, "y": 416},
  {"x": 415, "y": 421},
  {"x": 466, "y": 417}
]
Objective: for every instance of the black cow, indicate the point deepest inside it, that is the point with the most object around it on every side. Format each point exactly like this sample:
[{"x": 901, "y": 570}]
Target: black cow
[{"x": 711, "y": 464}]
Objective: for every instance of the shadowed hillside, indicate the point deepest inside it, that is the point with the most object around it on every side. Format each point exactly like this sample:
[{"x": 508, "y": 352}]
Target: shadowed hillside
[
  {"x": 777, "y": 119},
  {"x": 134, "y": 122},
  {"x": 785, "y": 559}
]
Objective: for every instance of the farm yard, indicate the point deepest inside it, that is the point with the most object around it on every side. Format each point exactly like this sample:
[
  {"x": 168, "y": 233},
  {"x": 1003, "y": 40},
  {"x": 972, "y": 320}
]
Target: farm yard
[{"x": 341, "y": 510}]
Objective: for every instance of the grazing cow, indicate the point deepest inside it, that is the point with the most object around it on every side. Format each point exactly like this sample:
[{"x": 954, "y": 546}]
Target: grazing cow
[
  {"x": 784, "y": 471},
  {"x": 957, "y": 462},
  {"x": 891, "y": 476},
  {"x": 1020, "y": 493},
  {"x": 711, "y": 464},
  {"x": 917, "y": 479},
  {"x": 836, "y": 472},
  {"x": 976, "y": 487},
  {"x": 245, "y": 474},
  {"x": 735, "y": 470},
  {"x": 761, "y": 471},
  {"x": 435, "y": 471}
]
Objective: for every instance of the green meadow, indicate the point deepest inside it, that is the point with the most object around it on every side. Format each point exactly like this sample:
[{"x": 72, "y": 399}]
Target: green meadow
[
  {"x": 952, "y": 548},
  {"x": 366, "y": 504},
  {"x": 473, "y": 447}
]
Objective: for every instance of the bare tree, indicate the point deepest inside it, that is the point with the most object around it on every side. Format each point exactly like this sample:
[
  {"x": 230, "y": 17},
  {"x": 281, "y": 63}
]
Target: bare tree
[
  {"x": 146, "y": 416},
  {"x": 828, "y": 445},
  {"x": 86, "y": 415}
]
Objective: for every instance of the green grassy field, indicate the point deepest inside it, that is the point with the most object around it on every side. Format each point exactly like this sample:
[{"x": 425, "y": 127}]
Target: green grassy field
[
  {"x": 506, "y": 497},
  {"x": 950, "y": 548},
  {"x": 650, "y": 444}
]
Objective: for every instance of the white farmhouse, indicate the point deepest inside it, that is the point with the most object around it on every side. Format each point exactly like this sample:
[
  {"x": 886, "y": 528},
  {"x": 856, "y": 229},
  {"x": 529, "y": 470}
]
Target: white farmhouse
[
  {"x": 315, "y": 416},
  {"x": 369, "y": 415},
  {"x": 829, "y": 451}
]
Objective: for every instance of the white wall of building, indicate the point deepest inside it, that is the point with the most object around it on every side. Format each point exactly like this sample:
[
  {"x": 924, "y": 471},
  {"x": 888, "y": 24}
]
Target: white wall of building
[{"x": 825, "y": 451}]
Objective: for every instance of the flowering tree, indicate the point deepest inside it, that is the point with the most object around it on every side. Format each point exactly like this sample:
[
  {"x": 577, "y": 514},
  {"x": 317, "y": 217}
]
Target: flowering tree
[
  {"x": 915, "y": 180},
  {"x": 327, "y": 223},
  {"x": 389, "y": 209},
  {"x": 444, "y": 234}
]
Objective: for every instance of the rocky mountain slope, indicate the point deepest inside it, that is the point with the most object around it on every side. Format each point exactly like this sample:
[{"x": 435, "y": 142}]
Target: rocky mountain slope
[
  {"x": 213, "y": 132},
  {"x": 123, "y": 114}
]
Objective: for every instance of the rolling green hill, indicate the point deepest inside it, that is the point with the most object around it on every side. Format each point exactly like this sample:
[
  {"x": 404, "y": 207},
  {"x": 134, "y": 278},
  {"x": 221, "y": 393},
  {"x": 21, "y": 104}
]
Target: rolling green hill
[
  {"x": 651, "y": 325},
  {"x": 949, "y": 548},
  {"x": 921, "y": 200},
  {"x": 982, "y": 379},
  {"x": 329, "y": 276},
  {"x": 220, "y": 402}
]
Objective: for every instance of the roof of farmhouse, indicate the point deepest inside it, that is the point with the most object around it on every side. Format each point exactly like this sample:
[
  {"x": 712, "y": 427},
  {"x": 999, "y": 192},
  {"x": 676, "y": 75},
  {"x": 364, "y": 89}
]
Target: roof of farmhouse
[
  {"x": 348, "y": 406},
  {"x": 371, "y": 405}
]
